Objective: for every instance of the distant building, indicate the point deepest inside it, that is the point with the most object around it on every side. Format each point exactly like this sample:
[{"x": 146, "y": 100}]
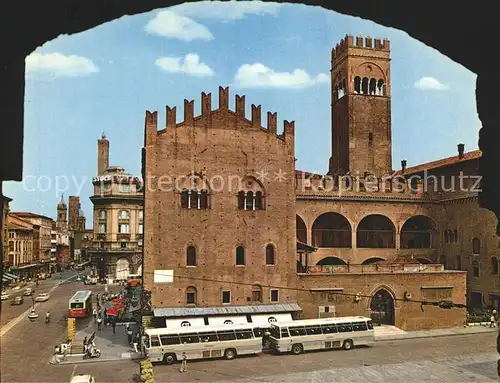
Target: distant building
[
  {"x": 44, "y": 239},
  {"x": 5, "y": 233},
  {"x": 19, "y": 257},
  {"x": 116, "y": 245}
]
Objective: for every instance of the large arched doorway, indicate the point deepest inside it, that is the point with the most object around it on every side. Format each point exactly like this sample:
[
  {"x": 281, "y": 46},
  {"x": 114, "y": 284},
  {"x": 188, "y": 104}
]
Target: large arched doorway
[
  {"x": 122, "y": 269},
  {"x": 301, "y": 229},
  {"x": 418, "y": 233},
  {"x": 331, "y": 230},
  {"x": 376, "y": 231},
  {"x": 382, "y": 308}
]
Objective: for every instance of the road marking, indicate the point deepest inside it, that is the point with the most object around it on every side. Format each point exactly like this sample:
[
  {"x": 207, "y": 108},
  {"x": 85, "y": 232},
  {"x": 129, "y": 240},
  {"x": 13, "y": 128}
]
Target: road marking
[
  {"x": 73, "y": 373},
  {"x": 15, "y": 321}
]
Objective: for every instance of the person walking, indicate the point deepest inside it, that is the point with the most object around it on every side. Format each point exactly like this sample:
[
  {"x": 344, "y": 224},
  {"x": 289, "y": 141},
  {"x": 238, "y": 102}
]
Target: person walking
[
  {"x": 113, "y": 324},
  {"x": 494, "y": 319},
  {"x": 129, "y": 335},
  {"x": 137, "y": 340},
  {"x": 184, "y": 363},
  {"x": 99, "y": 323},
  {"x": 95, "y": 314},
  {"x": 85, "y": 346}
]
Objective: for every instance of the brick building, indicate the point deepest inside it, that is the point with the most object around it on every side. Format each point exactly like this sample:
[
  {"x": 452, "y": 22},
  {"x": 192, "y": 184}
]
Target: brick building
[
  {"x": 5, "y": 234},
  {"x": 115, "y": 249},
  {"x": 230, "y": 222},
  {"x": 20, "y": 255}
]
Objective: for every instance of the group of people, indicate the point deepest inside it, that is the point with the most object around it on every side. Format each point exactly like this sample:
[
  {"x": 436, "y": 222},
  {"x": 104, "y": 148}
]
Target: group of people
[{"x": 88, "y": 346}]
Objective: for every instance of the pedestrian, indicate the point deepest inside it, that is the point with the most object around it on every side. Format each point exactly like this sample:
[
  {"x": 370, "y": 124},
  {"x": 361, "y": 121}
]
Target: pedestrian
[
  {"x": 97, "y": 298},
  {"x": 99, "y": 323},
  {"x": 113, "y": 324},
  {"x": 494, "y": 319},
  {"x": 85, "y": 346},
  {"x": 137, "y": 339},
  {"x": 184, "y": 363},
  {"x": 129, "y": 335},
  {"x": 95, "y": 314}
]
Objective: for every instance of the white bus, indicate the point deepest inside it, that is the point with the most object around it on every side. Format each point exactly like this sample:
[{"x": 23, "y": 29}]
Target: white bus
[
  {"x": 167, "y": 344},
  {"x": 327, "y": 333}
]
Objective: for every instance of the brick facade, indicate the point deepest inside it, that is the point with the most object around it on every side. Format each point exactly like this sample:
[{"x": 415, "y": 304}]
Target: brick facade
[{"x": 355, "y": 224}]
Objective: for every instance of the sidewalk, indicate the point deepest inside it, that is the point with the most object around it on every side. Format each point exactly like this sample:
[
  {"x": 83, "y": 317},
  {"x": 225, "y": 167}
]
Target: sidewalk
[
  {"x": 469, "y": 330},
  {"x": 113, "y": 347}
]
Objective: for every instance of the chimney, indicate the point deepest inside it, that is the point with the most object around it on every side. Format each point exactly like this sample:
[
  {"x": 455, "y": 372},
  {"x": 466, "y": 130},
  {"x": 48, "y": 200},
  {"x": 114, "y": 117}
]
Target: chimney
[
  {"x": 461, "y": 148},
  {"x": 403, "y": 165}
]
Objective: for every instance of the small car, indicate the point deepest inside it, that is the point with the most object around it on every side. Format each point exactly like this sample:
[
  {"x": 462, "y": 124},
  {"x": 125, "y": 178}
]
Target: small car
[
  {"x": 5, "y": 296},
  {"x": 43, "y": 297},
  {"x": 18, "y": 300},
  {"x": 28, "y": 291},
  {"x": 82, "y": 379}
]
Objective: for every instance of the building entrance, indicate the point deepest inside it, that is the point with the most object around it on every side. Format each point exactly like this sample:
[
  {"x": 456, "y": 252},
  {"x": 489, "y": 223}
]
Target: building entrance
[{"x": 382, "y": 308}]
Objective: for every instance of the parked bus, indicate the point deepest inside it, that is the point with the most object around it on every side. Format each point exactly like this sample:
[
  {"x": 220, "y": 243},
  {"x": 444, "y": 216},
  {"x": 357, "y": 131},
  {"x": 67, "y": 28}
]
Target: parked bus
[
  {"x": 80, "y": 304},
  {"x": 168, "y": 344},
  {"x": 327, "y": 333}
]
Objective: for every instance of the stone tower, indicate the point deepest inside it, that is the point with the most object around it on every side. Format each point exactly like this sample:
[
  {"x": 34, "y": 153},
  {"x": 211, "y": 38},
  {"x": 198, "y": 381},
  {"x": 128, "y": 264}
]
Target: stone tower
[
  {"x": 62, "y": 215},
  {"x": 361, "y": 107},
  {"x": 74, "y": 213},
  {"x": 102, "y": 155}
]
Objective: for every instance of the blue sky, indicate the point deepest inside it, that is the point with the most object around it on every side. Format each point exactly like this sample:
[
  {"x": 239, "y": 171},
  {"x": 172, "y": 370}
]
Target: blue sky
[{"x": 104, "y": 79}]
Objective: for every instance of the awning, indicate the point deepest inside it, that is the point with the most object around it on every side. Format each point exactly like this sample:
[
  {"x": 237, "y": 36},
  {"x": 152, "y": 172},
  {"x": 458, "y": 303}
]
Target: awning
[
  {"x": 11, "y": 276},
  {"x": 227, "y": 320},
  {"x": 268, "y": 319},
  {"x": 225, "y": 310},
  {"x": 185, "y": 322}
]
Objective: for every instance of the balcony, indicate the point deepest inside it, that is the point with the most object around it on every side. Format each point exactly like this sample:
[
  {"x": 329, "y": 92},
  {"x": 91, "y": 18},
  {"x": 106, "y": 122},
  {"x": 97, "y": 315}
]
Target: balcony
[
  {"x": 131, "y": 248},
  {"x": 373, "y": 268}
]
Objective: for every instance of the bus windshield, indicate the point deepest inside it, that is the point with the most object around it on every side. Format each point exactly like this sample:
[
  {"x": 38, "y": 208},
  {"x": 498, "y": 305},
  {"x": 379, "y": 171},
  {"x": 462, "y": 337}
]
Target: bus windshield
[{"x": 77, "y": 305}]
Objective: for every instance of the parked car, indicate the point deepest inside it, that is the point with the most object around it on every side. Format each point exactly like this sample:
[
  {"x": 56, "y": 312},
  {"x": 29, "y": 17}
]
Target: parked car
[
  {"x": 90, "y": 280},
  {"x": 18, "y": 300},
  {"x": 82, "y": 379},
  {"x": 5, "y": 296},
  {"x": 43, "y": 297},
  {"x": 28, "y": 291}
]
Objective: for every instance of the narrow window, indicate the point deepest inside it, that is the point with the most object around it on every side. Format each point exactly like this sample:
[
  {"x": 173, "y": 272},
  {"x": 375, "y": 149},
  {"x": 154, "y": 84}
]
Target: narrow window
[
  {"x": 370, "y": 138},
  {"x": 270, "y": 256},
  {"x": 357, "y": 84},
  {"x": 241, "y": 200},
  {"x": 249, "y": 201},
  {"x": 194, "y": 199},
  {"x": 258, "y": 201},
  {"x": 191, "y": 256},
  {"x": 191, "y": 296},
  {"x": 256, "y": 293},
  {"x": 475, "y": 269},
  {"x": 275, "y": 297},
  {"x": 226, "y": 297},
  {"x": 184, "y": 199},
  {"x": 204, "y": 199},
  {"x": 240, "y": 256},
  {"x": 476, "y": 246}
]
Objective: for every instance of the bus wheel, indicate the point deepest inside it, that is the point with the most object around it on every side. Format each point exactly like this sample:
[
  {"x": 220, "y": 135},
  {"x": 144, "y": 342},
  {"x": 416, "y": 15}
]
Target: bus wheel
[
  {"x": 169, "y": 359},
  {"x": 297, "y": 349},
  {"x": 348, "y": 344},
  {"x": 230, "y": 353}
]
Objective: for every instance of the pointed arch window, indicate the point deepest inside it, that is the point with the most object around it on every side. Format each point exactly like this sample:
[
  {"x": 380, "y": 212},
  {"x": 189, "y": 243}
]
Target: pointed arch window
[
  {"x": 191, "y": 256},
  {"x": 270, "y": 255},
  {"x": 191, "y": 295},
  {"x": 250, "y": 200},
  {"x": 476, "y": 245},
  {"x": 475, "y": 269},
  {"x": 256, "y": 293},
  {"x": 195, "y": 199}
]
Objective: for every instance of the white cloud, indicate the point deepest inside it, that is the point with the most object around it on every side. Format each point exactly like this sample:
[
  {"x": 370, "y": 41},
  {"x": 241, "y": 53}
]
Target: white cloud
[
  {"x": 59, "y": 65},
  {"x": 171, "y": 25},
  {"x": 260, "y": 76},
  {"x": 227, "y": 10},
  {"x": 430, "y": 83},
  {"x": 189, "y": 64}
]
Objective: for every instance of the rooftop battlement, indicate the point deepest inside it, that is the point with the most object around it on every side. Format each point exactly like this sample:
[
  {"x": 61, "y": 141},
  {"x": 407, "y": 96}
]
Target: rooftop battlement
[
  {"x": 360, "y": 42},
  {"x": 151, "y": 123}
]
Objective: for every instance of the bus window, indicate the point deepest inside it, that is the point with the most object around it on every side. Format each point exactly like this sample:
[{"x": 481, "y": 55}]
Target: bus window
[
  {"x": 155, "y": 342},
  {"x": 329, "y": 328},
  {"x": 297, "y": 331},
  {"x": 77, "y": 305},
  {"x": 313, "y": 330},
  {"x": 169, "y": 339},
  {"x": 359, "y": 326},
  {"x": 226, "y": 335},
  {"x": 284, "y": 333},
  {"x": 275, "y": 332},
  {"x": 208, "y": 337},
  {"x": 344, "y": 327},
  {"x": 244, "y": 334},
  {"x": 189, "y": 338},
  {"x": 370, "y": 325},
  {"x": 258, "y": 332}
]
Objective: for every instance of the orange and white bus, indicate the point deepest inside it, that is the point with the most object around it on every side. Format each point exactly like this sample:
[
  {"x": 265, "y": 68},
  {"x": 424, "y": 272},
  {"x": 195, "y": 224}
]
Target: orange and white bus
[{"x": 80, "y": 304}]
